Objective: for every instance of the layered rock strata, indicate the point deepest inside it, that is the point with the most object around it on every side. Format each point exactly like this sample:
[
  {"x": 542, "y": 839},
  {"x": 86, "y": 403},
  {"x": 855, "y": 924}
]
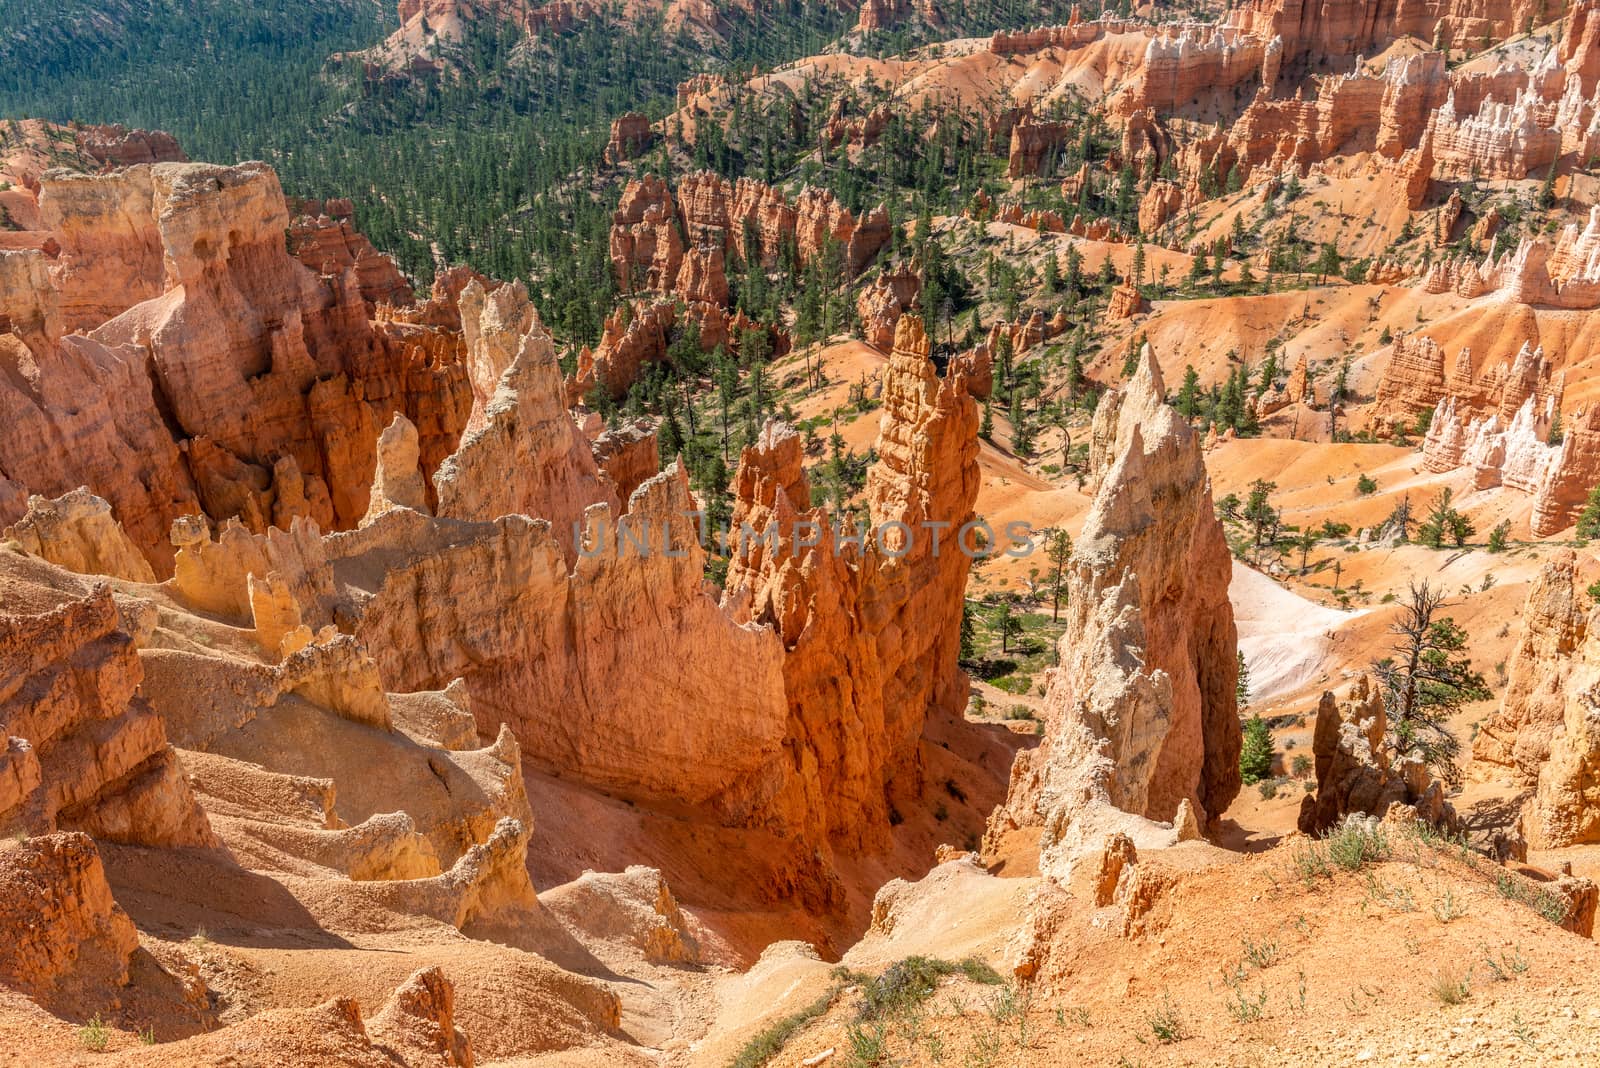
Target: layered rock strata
[{"x": 84, "y": 751}]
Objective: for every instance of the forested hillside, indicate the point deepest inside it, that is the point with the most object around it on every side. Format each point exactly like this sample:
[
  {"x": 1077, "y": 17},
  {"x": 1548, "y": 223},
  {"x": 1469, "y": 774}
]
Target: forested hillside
[
  {"x": 499, "y": 168},
  {"x": 492, "y": 169}
]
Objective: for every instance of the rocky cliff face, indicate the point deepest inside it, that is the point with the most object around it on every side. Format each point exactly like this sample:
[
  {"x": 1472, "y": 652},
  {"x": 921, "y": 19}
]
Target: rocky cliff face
[
  {"x": 522, "y": 426},
  {"x": 1560, "y": 274},
  {"x": 117, "y": 146},
  {"x": 77, "y": 531},
  {"x": 1031, "y": 142},
  {"x": 85, "y": 752},
  {"x": 1417, "y": 379},
  {"x": 635, "y": 334},
  {"x": 232, "y": 379},
  {"x": 629, "y": 456},
  {"x": 1498, "y": 426},
  {"x": 1546, "y": 734},
  {"x": 1515, "y": 741},
  {"x": 829, "y": 659},
  {"x": 871, "y": 633},
  {"x": 603, "y": 669},
  {"x": 650, "y": 228},
  {"x": 85, "y": 414},
  {"x": 1313, "y": 32},
  {"x": 887, "y": 14},
  {"x": 331, "y": 245},
  {"x": 1142, "y": 716},
  {"x": 251, "y": 361},
  {"x": 631, "y": 136},
  {"x": 68, "y": 942},
  {"x": 881, "y": 304}
]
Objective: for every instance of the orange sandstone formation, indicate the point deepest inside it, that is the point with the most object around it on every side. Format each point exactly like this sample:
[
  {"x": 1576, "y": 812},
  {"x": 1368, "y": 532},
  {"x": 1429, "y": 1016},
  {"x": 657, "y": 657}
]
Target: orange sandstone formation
[
  {"x": 86, "y": 752},
  {"x": 881, "y": 304},
  {"x": 1354, "y": 772},
  {"x": 77, "y": 531},
  {"x": 234, "y": 380},
  {"x": 1516, "y": 739},
  {"x": 1031, "y": 142},
  {"x": 647, "y": 251},
  {"x": 1142, "y": 716},
  {"x": 1126, "y": 302},
  {"x": 871, "y": 634},
  {"x": 66, "y": 939},
  {"x": 631, "y": 136},
  {"x": 331, "y": 245}
]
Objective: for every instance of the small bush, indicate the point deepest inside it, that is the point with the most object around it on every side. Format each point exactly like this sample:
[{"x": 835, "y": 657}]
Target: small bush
[
  {"x": 1247, "y": 1010},
  {"x": 1354, "y": 844},
  {"x": 1262, "y": 954},
  {"x": 1447, "y": 908},
  {"x": 1501, "y": 969},
  {"x": 1007, "y": 1005},
  {"x": 1164, "y": 1022},
  {"x": 1497, "y": 536},
  {"x": 1366, "y": 485},
  {"x": 867, "y": 1046},
  {"x": 1311, "y": 862},
  {"x": 769, "y": 1043},
  {"x": 1450, "y": 987},
  {"x": 907, "y": 983},
  {"x": 94, "y": 1035}
]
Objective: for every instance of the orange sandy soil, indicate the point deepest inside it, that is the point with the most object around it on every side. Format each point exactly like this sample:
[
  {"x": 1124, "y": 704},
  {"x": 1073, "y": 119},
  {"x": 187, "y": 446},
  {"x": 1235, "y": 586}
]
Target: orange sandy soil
[{"x": 1343, "y": 972}]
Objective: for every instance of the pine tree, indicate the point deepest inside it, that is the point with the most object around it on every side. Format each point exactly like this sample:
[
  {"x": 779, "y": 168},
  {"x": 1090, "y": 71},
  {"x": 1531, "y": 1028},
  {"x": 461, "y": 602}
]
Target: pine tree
[
  {"x": 1188, "y": 400},
  {"x": 1547, "y": 189},
  {"x": 1589, "y": 518},
  {"x": 1425, "y": 682},
  {"x": 1074, "y": 276},
  {"x": 1058, "y": 550},
  {"x": 1241, "y": 685},
  {"x": 1444, "y": 522},
  {"x": 1327, "y": 262},
  {"x": 1498, "y": 535},
  {"x": 1259, "y": 513},
  {"x": 1255, "y": 752},
  {"x": 1399, "y": 521}
]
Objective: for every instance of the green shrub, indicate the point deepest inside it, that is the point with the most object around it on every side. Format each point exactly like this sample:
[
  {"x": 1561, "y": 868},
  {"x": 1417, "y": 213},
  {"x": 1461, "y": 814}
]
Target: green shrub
[
  {"x": 769, "y": 1043},
  {"x": 94, "y": 1035},
  {"x": 1164, "y": 1021},
  {"x": 1353, "y": 844}
]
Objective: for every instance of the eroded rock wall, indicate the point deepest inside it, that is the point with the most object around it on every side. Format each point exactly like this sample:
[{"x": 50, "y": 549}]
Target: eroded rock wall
[{"x": 85, "y": 750}]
